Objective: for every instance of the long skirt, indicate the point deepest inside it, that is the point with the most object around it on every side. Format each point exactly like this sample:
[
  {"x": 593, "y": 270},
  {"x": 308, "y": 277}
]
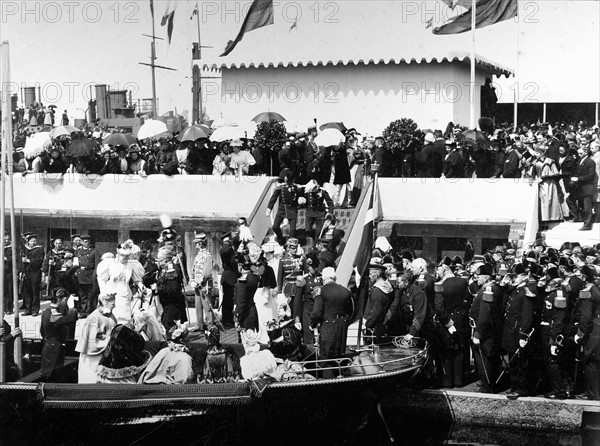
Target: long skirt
[
  {"x": 550, "y": 209},
  {"x": 86, "y": 371}
]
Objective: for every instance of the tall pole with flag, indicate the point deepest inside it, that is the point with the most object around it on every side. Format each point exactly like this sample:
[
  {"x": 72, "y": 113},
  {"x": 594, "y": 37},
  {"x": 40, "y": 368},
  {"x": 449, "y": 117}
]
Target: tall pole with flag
[
  {"x": 472, "y": 84},
  {"x": 516, "y": 87},
  {"x": 6, "y": 135}
]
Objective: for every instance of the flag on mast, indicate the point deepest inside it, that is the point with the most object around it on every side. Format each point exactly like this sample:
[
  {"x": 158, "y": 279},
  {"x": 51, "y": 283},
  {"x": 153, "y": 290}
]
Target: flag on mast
[
  {"x": 488, "y": 12},
  {"x": 260, "y": 14},
  {"x": 168, "y": 17},
  {"x": 195, "y": 12},
  {"x": 152, "y": 8}
]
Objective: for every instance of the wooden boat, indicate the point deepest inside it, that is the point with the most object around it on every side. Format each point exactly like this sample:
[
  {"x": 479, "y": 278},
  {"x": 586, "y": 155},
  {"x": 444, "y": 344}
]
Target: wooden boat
[{"x": 307, "y": 400}]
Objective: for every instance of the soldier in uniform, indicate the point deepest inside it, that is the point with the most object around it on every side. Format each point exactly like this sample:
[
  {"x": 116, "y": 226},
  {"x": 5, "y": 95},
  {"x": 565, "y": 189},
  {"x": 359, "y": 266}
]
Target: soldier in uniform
[
  {"x": 451, "y": 313},
  {"x": 518, "y": 330},
  {"x": 168, "y": 237},
  {"x": 201, "y": 280},
  {"x": 33, "y": 257},
  {"x": 588, "y": 334},
  {"x": 76, "y": 243},
  {"x": 66, "y": 273},
  {"x": 381, "y": 296},
  {"x": 318, "y": 205},
  {"x": 52, "y": 264},
  {"x": 288, "y": 194},
  {"x": 308, "y": 287},
  {"x": 486, "y": 321},
  {"x": 290, "y": 265},
  {"x": 87, "y": 259}
]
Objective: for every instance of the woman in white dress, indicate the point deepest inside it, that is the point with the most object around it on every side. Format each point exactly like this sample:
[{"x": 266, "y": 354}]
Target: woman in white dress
[{"x": 114, "y": 278}]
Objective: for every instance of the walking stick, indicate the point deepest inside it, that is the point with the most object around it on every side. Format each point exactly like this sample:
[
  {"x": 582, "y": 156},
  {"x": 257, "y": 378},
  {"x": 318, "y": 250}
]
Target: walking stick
[
  {"x": 473, "y": 325},
  {"x": 514, "y": 356}
]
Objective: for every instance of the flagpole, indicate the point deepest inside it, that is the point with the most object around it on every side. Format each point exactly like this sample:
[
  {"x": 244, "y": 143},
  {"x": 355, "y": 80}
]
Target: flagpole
[
  {"x": 472, "y": 86},
  {"x": 201, "y": 111},
  {"x": 152, "y": 60},
  {"x": 17, "y": 350},
  {"x": 516, "y": 84},
  {"x": 5, "y": 135}
]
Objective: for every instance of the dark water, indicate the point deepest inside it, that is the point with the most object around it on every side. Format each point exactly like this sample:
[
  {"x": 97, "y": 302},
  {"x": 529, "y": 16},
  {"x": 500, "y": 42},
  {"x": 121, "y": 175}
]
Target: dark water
[{"x": 199, "y": 431}]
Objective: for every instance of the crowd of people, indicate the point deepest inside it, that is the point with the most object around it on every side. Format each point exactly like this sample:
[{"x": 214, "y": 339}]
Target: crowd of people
[{"x": 530, "y": 319}]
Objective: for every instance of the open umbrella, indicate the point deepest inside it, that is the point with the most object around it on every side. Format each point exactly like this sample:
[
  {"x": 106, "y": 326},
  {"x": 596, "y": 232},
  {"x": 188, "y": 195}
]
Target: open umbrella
[
  {"x": 330, "y": 137},
  {"x": 151, "y": 128},
  {"x": 34, "y": 145},
  {"x": 119, "y": 139},
  {"x": 268, "y": 116},
  {"x": 223, "y": 122},
  {"x": 227, "y": 133},
  {"x": 334, "y": 125},
  {"x": 475, "y": 135},
  {"x": 194, "y": 133},
  {"x": 63, "y": 130},
  {"x": 81, "y": 147}
]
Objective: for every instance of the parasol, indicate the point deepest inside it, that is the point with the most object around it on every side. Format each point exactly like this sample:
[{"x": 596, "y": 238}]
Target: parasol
[
  {"x": 330, "y": 137},
  {"x": 34, "y": 145},
  {"x": 268, "y": 116},
  {"x": 63, "y": 130},
  {"x": 227, "y": 133},
  {"x": 119, "y": 139},
  {"x": 81, "y": 147},
  {"x": 475, "y": 135},
  {"x": 334, "y": 125},
  {"x": 223, "y": 122},
  {"x": 194, "y": 133},
  {"x": 151, "y": 128}
]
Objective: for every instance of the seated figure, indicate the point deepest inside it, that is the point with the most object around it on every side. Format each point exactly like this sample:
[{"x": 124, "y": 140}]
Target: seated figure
[
  {"x": 220, "y": 364},
  {"x": 124, "y": 358},
  {"x": 173, "y": 364}
]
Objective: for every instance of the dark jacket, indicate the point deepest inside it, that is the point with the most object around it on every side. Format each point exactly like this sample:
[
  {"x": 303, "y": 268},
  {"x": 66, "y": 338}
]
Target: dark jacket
[
  {"x": 512, "y": 165},
  {"x": 587, "y": 178}
]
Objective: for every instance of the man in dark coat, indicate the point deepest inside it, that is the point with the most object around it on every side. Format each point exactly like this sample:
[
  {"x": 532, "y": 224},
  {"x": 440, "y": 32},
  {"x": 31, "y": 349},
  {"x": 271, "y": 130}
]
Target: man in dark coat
[
  {"x": 588, "y": 334},
  {"x": 318, "y": 204},
  {"x": 246, "y": 315},
  {"x": 58, "y": 324},
  {"x": 431, "y": 158},
  {"x": 33, "y": 257},
  {"x": 88, "y": 258},
  {"x": 512, "y": 163},
  {"x": 518, "y": 330},
  {"x": 308, "y": 287},
  {"x": 52, "y": 264},
  {"x": 332, "y": 309},
  {"x": 381, "y": 295},
  {"x": 228, "y": 281},
  {"x": 8, "y": 275},
  {"x": 451, "y": 314},
  {"x": 486, "y": 321},
  {"x": 287, "y": 193},
  {"x": 585, "y": 185},
  {"x": 342, "y": 178}
]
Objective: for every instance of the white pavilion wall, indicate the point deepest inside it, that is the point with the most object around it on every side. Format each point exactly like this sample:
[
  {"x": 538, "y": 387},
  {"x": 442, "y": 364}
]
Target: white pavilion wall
[{"x": 365, "y": 97}]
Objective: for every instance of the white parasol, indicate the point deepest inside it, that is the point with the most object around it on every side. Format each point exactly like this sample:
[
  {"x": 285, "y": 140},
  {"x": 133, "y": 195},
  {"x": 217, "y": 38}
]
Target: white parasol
[
  {"x": 34, "y": 145},
  {"x": 330, "y": 137},
  {"x": 151, "y": 128}
]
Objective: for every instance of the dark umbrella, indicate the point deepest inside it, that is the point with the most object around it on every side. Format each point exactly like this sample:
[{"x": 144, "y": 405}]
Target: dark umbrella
[
  {"x": 81, "y": 147},
  {"x": 334, "y": 125},
  {"x": 194, "y": 133},
  {"x": 475, "y": 135},
  {"x": 268, "y": 116},
  {"x": 119, "y": 139}
]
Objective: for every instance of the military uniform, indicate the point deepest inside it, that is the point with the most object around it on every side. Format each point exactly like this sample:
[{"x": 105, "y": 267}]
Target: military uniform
[
  {"x": 452, "y": 311},
  {"x": 318, "y": 204},
  {"x": 87, "y": 260},
  {"x": 307, "y": 289},
  {"x": 52, "y": 264},
  {"x": 288, "y": 196},
  {"x": 518, "y": 323},
  {"x": 380, "y": 299},
  {"x": 32, "y": 276},
  {"x": 487, "y": 321},
  {"x": 588, "y": 334}
]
